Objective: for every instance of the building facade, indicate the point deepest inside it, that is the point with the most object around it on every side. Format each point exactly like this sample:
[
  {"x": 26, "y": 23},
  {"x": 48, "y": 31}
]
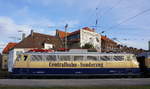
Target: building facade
[
  {"x": 88, "y": 35},
  {"x": 108, "y": 45},
  {"x": 79, "y": 38},
  {"x": 5, "y": 55}
]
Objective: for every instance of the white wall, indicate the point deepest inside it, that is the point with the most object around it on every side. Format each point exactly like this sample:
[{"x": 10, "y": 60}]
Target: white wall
[
  {"x": 12, "y": 57},
  {"x": 90, "y": 37}
]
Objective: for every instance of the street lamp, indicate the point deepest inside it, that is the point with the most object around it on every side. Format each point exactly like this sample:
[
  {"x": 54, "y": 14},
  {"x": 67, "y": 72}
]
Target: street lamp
[{"x": 66, "y": 26}]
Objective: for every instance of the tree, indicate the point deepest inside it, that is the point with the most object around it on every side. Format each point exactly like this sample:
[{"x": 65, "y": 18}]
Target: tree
[{"x": 88, "y": 46}]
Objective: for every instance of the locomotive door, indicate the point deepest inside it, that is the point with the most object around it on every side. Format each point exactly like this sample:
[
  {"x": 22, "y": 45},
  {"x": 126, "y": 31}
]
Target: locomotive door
[{"x": 142, "y": 64}]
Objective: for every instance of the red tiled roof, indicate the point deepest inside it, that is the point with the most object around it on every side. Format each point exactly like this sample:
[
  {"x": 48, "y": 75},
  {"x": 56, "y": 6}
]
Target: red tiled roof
[
  {"x": 75, "y": 32},
  {"x": 37, "y": 40},
  {"x": 88, "y": 29},
  {"x": 106, "y": 38},
  {"x": 41, "y": 50},
  {"x": 61, "y": 34},
  {"x": 8, "y": 47}
]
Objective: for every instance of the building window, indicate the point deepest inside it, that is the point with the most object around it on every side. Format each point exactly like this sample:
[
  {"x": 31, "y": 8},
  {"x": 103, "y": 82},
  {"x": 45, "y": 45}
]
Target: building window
[
  {"x": 74, "y": 37},
  {"x": 48, "y": 46},
  {"x": 97, "y": 39}
]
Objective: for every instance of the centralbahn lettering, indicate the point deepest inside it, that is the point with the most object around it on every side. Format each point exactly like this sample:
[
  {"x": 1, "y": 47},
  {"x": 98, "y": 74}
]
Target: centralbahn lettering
[
  {"x": 91, "y": 64},
  {"x": 75, "y": 65},
  {"x": 65, "y": 64}
]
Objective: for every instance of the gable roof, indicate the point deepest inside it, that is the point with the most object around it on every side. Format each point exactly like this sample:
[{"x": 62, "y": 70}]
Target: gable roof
[
  {"x": 37, "y": 40},
  {"x": 8, "y": 47},
  {"x": 107, "y": 39},
  {"x": 78, "y": 31},
  {"x": 104, "y": 37},
  {"x": 75, "y": 32}
]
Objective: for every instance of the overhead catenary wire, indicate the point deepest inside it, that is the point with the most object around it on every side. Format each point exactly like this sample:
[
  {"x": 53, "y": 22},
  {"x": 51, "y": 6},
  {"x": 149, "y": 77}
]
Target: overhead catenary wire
[
  {"x": 100, "y": 15},
  {"x": 130, "y": 18},
  {"x": 116, "y": 39},
  {"x": 114, "y": 6},
  {"x": 93, "y": 12}
]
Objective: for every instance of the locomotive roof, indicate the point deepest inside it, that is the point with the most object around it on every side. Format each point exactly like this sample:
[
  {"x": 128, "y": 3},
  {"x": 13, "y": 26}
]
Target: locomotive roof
[{"x": 50, "y": 53}]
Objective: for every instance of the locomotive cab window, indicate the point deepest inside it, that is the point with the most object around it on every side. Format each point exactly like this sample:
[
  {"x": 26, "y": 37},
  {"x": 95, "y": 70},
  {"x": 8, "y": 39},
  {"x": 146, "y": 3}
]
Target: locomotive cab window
[
  {"x": 134, "y": 57},
  {"x": 18, "y": 58}
]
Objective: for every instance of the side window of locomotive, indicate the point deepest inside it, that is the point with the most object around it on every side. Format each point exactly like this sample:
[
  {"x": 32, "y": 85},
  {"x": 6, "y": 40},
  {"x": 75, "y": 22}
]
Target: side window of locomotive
[
  {"x": 105, "y": 58},
  {"x": 64, "y": 58},
  {"x": 118, "y": 58},
  {"x": 51, "y": 58},
  {"x": 128, "y": 58},
  {"x": 78, "y": 58},
  {"x": 36, "y": 58},
  {"x": 18, "y": 58},
  {"x": 92, "y": 58},
  {"x": 134, "y": 57}
]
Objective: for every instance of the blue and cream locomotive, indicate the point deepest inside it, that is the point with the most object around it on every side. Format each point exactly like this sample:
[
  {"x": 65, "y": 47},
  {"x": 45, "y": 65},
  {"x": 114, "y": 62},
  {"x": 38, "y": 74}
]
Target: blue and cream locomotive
[{"x": 76, "y": 63}]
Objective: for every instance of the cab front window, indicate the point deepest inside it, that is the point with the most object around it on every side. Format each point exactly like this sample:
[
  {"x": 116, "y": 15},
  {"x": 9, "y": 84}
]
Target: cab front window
[{"x": 18, "y": 58}]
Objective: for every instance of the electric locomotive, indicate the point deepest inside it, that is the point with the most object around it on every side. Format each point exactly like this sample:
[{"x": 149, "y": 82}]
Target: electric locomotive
[{"x": 75, "y": 63}]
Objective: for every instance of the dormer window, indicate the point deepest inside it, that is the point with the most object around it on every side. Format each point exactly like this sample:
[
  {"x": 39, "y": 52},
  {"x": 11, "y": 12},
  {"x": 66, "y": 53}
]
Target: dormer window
[{"x": 48, "y": 46}]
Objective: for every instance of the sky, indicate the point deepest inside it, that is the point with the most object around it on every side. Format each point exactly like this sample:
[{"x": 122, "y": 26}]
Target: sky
[{"x": 126, "y": 21}]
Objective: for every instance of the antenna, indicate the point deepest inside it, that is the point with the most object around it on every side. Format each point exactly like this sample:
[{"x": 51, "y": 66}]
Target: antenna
[{"x": 96, "y": 18}]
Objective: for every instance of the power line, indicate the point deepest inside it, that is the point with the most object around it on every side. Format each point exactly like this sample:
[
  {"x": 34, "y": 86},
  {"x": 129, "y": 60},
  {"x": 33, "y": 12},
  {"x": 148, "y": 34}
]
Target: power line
[
  {"x": 116, "y": 39},
  {"x": 114, "y": 6},
  {"x": 130, "y": 18},
  {"x": 93, "y": 12}
]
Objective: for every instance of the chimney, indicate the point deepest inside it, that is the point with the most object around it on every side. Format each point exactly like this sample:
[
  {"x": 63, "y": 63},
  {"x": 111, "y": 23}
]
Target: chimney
[
  {"x": 94, "y": 30},
  {"x": 32, "y": 32},
  {"x": 23, "y": 35}
]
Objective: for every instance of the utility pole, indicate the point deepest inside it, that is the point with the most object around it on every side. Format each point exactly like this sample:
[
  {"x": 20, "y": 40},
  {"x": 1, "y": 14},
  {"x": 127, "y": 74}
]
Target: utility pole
[
  {"x": 148, "y": 45},
  {"x": 66, "y": 26}
]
